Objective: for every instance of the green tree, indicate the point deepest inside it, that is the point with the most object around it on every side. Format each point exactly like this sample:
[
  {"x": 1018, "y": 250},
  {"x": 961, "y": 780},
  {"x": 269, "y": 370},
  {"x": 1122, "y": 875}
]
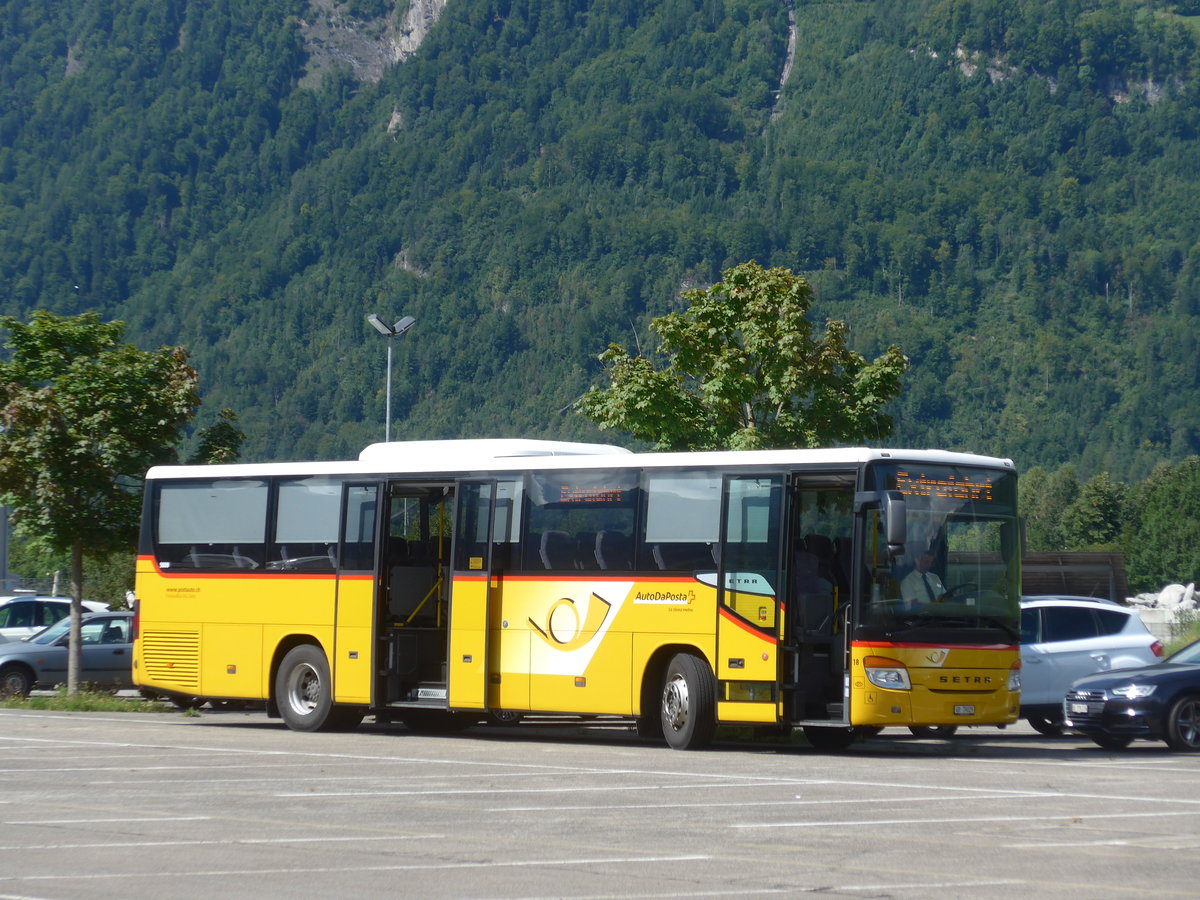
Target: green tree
[
  {"x": 1095, "y": 519},
  {"x": 1044, "y": 498},
  {"x": 220, "y": 442},
  {"x": 745, "y": 370},
  {"x": 1163, "y": 539},
  {"x": 83, "y": 416}
]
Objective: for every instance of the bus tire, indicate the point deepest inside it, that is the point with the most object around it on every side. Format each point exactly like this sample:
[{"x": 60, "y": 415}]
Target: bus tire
[
  {"x": 303, "y": 690},
  {"x": 688, "y": 707}
]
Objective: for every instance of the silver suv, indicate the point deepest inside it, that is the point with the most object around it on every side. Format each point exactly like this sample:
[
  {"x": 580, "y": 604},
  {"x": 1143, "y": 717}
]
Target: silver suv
[
  {"x": 1065, "y": 638},
  {"x": 23, "y": 615}
]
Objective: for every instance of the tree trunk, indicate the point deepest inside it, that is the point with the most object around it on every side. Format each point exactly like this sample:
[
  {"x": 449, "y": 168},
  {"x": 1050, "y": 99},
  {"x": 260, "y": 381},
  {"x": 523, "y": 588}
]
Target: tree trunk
[{"x": 75, "y": 648}]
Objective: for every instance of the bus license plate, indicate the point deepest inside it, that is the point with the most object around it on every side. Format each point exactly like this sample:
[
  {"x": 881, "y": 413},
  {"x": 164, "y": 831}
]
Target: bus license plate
[{"x": 964, "y": 710}]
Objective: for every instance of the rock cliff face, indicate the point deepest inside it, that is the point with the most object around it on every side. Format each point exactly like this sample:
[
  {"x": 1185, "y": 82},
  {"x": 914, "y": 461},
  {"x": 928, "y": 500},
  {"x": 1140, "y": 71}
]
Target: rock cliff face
[
  {"x": 421, "y": 16},
  {"x": 367, "y": 47}
]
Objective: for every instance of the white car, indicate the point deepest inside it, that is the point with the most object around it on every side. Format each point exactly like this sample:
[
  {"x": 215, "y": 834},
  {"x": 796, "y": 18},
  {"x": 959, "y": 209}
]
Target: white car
[
  {"x": 24, "y": 615},
  {"x": 1064, "y": 638}
]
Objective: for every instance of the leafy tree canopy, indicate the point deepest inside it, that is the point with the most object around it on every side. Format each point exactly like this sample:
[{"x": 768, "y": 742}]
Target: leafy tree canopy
[
  {"x": 746, "y": 370},
  {"x": 83, "y": 417}
]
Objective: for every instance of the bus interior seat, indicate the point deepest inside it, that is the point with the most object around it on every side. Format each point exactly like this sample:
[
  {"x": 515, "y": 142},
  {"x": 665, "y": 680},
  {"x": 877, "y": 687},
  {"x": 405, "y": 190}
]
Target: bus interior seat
[
  {"x": 687, "y": 557},
  {"x": 822, "y": 547},
  {"x": 557, "y": 550},
  {"x": 614, "y": 550},
  {"x": 585, "y": 555}
]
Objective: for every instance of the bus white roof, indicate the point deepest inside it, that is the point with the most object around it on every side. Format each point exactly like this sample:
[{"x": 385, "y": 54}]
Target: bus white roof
[{"x": 516, "y": 454}]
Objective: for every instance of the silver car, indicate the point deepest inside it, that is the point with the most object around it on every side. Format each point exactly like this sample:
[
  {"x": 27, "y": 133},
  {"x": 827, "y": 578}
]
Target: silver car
[
  {"x": 41, "y": 661},
  {"x": 24, "y": 615},
  {"x": 1064, "y": 638}
]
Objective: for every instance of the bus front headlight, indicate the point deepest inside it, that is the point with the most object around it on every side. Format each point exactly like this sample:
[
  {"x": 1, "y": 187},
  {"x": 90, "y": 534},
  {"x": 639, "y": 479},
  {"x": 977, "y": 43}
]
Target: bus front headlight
[{"x": 889, "y": 674}]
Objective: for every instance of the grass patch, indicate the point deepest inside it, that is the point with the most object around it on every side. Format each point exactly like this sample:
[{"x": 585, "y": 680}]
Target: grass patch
[
  {"x": 86, "y": 701},
  {"x": 1184, "y": 630}
]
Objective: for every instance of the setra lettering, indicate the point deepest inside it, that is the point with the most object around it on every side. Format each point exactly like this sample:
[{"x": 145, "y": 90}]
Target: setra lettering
[{"x": 964, "y": 679}]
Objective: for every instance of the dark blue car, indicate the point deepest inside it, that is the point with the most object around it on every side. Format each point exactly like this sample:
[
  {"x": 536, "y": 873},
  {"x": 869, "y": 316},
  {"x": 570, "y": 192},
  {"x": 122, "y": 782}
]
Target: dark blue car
[{"x": 1159, "y": 702}]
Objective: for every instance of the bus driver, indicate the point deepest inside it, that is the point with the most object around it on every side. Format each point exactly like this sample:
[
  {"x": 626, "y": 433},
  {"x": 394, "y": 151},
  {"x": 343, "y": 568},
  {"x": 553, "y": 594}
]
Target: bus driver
[{"x": 921, "y": 585}]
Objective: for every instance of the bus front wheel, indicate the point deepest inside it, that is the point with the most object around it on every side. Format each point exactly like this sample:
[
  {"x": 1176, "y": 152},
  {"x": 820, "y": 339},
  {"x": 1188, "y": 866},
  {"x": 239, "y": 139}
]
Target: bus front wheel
[
  {"x": 304, "y": 693},
  {"x": 688, "y": 703}
]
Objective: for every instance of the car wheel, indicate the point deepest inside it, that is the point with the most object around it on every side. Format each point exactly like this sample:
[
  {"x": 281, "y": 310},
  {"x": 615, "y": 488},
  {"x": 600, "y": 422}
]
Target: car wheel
[
  {"x": 15, "y": 682},
  {"x": 933, "y": 731},
  {"x": 1048, "y": 725},
  {"x": 1183, "y": 725},
  {"x": 1112, "y": 741}
]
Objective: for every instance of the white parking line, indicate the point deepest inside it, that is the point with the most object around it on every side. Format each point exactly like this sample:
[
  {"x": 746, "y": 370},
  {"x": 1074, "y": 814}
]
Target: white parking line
[
  {"x": 960, "y": 820},
  {"x": 230, "y": 842},
  {"x": 752, "y": 804},
  {"x": 124, "y": 819},
  {"x": 406, "y": 867}
]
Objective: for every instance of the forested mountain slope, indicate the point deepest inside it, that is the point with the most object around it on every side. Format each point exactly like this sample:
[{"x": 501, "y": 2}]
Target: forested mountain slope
[{"x": 1005, "y": 189}]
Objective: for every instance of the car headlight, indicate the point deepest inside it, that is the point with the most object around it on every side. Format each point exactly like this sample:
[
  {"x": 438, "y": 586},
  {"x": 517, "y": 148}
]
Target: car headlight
[
  {"x": 890, "y": 674},
  {"x": 1133, "y": 691}
]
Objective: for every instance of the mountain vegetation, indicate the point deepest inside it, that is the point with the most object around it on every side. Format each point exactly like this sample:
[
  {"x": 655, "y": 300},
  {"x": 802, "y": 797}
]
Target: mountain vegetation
[{"x": 1005, "y": 189}]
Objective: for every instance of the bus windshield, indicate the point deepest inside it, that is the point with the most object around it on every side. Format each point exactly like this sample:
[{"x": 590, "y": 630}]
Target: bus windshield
[{"x": 958, "y": 575}]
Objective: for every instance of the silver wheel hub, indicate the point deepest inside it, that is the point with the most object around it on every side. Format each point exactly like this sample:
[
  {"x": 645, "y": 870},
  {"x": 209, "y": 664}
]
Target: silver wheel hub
[
  {"x": 303, "y": 689},
  {"x": 675, "y": 703}
]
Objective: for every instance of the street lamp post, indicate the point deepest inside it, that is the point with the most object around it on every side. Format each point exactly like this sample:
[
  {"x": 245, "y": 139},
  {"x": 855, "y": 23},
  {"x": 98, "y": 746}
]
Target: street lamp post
[{"x": 390, "y": 332}]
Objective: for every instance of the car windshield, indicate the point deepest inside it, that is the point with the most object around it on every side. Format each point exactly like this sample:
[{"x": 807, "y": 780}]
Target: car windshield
[
  {"x": 1188, "y": 655},
  {"x": 51, "y": 634}
]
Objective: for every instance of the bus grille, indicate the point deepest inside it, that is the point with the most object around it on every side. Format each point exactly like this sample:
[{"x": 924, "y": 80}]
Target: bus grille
[{"x": 173, "y": 657}]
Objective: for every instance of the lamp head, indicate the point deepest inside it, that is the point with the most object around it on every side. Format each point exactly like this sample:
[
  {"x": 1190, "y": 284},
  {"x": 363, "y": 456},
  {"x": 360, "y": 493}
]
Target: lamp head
[{"x": 379, "y": 325}]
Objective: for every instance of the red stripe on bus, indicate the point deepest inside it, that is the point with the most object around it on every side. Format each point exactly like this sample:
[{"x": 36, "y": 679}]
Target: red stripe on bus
[
  {"x": 748, "y": 628},
  {"x": 913, "y": 645}
]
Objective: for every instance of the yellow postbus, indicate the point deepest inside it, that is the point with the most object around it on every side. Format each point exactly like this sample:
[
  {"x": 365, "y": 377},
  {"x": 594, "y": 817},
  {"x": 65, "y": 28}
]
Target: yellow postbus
[{"x": 443, "y": 583}]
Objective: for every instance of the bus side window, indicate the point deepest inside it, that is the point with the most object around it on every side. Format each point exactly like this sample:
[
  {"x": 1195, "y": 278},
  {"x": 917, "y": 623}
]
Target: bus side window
[{"x": 217, "y": 524}]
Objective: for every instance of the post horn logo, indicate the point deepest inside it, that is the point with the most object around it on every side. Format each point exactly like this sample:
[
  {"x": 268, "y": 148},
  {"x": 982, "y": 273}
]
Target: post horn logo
[{"x": 564, "y": 629}]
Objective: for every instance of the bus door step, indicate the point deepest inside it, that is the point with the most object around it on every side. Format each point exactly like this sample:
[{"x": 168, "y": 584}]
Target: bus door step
[{"x": 430, "y": 692}]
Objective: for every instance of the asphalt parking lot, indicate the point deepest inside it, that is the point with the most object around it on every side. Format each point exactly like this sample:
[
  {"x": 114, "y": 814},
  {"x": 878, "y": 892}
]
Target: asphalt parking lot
[{"x": 231, "y": 804}]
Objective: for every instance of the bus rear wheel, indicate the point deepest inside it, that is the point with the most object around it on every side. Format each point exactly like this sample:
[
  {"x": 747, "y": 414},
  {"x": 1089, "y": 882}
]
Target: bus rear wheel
[
  {"x": 304, "y": 693},
  {"x": 688, "y": 704}
]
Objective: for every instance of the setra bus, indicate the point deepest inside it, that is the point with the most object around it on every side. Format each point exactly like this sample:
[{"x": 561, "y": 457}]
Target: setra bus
[{"x": 445, "y": 583}]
